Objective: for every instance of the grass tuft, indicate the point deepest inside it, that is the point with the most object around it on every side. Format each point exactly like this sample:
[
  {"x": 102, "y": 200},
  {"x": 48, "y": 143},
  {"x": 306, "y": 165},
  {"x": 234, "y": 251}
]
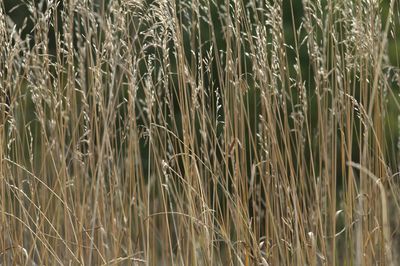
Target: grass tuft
[{"x": 199, "y": 132}]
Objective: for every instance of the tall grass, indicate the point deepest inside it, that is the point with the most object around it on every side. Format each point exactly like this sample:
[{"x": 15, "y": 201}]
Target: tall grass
[{"x": 200, "y": 132}]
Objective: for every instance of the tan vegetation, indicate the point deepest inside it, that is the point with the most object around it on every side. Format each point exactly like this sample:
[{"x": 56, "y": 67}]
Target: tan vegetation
[{"x": 200, "y": 132}]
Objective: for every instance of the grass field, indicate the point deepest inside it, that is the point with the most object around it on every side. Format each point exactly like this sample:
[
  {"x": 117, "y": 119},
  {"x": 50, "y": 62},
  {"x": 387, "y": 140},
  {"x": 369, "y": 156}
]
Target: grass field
[{"x": 200, "y": 132}]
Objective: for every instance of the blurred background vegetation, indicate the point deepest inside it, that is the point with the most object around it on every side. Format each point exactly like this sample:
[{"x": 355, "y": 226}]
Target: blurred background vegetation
[{"x": 19, "y": 11}]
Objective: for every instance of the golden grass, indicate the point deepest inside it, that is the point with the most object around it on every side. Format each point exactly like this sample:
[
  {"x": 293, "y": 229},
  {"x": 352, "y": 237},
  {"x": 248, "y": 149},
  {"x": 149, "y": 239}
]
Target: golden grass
[{"x": 200, "y": 132}]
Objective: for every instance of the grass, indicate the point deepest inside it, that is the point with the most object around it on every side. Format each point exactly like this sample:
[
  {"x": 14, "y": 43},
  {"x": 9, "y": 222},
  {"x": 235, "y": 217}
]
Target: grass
[{"x": 200, "y": 132}]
